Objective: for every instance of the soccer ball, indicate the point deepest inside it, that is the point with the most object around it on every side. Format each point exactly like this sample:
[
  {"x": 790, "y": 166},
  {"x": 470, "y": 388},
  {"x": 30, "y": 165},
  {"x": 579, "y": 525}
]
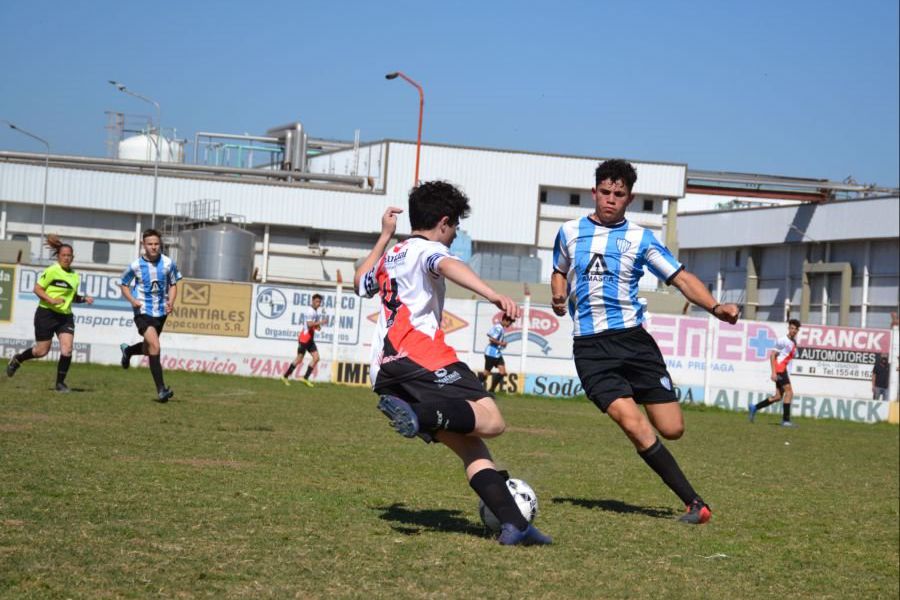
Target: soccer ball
[{"x": 525, "y": 499}]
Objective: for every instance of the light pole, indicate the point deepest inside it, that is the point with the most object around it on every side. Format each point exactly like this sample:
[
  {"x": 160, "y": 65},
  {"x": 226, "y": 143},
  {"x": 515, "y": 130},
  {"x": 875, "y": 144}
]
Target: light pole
[
  {"x": 121, "y": 87},
  {"x": 46, "y": 176},
  {"x": 395, "y": 75}
]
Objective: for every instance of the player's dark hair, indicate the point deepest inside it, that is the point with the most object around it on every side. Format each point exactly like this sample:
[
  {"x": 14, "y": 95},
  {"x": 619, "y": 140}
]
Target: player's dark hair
[
  {"x": 55, "y": 245},
  {"x": 319, "y": 296},
  {"x": 794, "y": 322},
  {"x": 616, "y": 169},
  {"x": 150, "y": 233},
  {"x": 430, "y": 201}
]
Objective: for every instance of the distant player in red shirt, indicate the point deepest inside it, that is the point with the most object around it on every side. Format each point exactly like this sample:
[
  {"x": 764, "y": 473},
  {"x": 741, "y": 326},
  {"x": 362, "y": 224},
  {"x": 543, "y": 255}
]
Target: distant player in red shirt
[
  {"x": 780, "y": 358},
  {"x": 313, "y": 317},
  {"x": 424, "y": 389}
]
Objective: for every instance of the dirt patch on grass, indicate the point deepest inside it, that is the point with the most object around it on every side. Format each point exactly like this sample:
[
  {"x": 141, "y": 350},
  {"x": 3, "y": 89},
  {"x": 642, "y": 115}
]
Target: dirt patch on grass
[
  {"x": 531, "y": 430},
  {"x": 14, "y": 427}
]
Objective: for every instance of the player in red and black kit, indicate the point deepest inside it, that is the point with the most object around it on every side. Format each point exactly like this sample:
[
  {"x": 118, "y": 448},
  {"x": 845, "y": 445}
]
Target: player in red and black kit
[
  {"x": 424, "y": 389},
  {"x": 780, "y": 358}
]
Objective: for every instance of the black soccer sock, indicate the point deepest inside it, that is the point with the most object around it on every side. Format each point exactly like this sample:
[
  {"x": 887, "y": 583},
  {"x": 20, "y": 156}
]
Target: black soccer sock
[
  {"x": 156, "y": 371},
  {"x": 491, "y": 488},
  {"x": 661, "y": 460},
  {"x": 450, "y": 415},
  {"x": 786, "y": 412},
  {"x": 496, "y": 379},
  {"x": 309, "y": 371},
  {"x": 62, "y": 368},
  {"x": 764, "y": 403},
  {"x": 22, "y": 357},
  {"x": 289, "y": 370},
  {"x": 134, "y": 350}
]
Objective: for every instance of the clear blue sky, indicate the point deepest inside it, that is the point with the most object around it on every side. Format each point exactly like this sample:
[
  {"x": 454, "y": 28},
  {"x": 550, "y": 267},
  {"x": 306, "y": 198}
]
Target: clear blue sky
[{"x": 798, "y": 88}]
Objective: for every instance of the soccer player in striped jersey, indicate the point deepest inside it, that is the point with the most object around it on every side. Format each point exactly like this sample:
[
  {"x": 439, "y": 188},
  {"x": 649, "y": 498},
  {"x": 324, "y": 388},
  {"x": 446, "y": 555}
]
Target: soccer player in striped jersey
[
  {"x": 493, "y": 354},
  {"x": 780, "y": 357},
  {"x": 313, "y": 319},
  {"x": 57, "y": 290},
  {"x": 424, "y": 389},
  {"x": 597, "y": 263},
  {"x": 149, "y": 284}
]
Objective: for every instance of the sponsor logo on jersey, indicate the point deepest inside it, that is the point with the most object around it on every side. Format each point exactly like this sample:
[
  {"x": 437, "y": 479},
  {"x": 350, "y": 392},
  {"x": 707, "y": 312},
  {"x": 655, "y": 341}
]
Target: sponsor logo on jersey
[{"x": 444, "y": 377}]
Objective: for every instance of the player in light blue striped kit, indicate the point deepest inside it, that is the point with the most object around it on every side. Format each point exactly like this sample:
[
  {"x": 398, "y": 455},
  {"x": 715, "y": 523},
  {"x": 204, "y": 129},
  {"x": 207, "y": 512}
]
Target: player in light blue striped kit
[
  {"x": 149, "y": 285},
  {"x": 493, "y": 354},
  {"x": 598, "y": 261}
]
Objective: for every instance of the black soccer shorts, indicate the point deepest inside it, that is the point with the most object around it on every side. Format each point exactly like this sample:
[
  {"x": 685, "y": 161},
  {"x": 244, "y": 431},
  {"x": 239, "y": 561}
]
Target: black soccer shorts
[
  {"x": 493, "y": 361},
  {"x": 48, "y": 323},
  {"x": 144, "y": 322},
  {"x": 622, "y": 363}
]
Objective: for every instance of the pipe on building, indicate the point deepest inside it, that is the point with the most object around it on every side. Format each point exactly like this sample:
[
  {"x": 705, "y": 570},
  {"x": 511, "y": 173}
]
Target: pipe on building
[
  {"x": 864, "y": 304},
  {"x": 845, "y": 270},
  {"x": 751, "y": 303},
  {"x": 265, "y": 265}
]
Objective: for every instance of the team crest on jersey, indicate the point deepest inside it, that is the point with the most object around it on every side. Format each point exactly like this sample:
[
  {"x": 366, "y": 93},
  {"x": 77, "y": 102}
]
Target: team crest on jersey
[{"x": 623, "y": 245}]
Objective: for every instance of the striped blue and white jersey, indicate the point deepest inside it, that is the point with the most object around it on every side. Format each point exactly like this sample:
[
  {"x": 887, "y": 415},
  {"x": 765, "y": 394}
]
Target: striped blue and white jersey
[
  {"x": 149, "y": 283},
  {"x": 603, "y": 266},
  {"x": 493, "y": 350}
]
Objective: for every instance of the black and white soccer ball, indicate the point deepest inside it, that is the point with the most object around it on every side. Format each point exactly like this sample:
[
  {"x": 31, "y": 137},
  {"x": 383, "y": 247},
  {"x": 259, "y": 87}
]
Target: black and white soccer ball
[{"x": 525, "y": 499}]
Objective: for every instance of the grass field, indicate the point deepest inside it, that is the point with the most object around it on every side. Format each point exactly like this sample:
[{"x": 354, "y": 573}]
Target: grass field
[{"x": 244, "y": 488}]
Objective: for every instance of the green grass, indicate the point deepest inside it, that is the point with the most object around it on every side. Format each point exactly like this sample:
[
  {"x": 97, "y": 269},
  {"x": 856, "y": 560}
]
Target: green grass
[{"x": 244, "y": 488}]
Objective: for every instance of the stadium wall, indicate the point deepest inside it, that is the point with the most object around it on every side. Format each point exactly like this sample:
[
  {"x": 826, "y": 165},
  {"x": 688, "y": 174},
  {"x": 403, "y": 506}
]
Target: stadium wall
[{"x": 251, "y": 329}]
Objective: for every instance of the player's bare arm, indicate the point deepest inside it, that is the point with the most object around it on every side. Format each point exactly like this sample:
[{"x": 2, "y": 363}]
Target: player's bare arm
[
  {"x": 126, "y": 293},
  {"x": 695, "y": 291},
  {"x": 388, "y": 227},
  {"x": 459, "y": 273},
  {"x": 173, "y": 293},
  {"x": 773, "y": 360},
  {"x": 558, "y": 293}
]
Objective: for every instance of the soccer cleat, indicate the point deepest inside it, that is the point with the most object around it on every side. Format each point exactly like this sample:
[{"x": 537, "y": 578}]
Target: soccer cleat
[
  {"x": 307, "y": 382},
  {"x": 62, "y": 388},
  {"x": 125, "y": 360},
  {"x": 12, "y": 367},
  {"x": 286, "y": 381},
  {"x": 164, "y": 395},
  {"x": 511, "y": 536},
  {"x": 696, "y": 513},
  {"x": 788, "y": 424},
  {"x": 403, "y": 418},
  {"x": 752, "y": 410}
]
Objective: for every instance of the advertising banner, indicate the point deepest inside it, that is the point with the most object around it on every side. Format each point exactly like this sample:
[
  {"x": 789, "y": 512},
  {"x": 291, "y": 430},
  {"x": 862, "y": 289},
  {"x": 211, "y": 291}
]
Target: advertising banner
[
  {"x": 278, "y": 314},
  {"x": 211, "y": 308},
  {"x": 839, "y": 352},
  {"x": 7, "y": 292}
]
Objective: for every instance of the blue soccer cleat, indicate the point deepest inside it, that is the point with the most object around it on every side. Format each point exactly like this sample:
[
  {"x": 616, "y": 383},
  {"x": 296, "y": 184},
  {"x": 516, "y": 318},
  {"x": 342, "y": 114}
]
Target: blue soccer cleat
[
  {"x": 511, "y": 536},
  {"x": 752, "y": 410},
  {"x": 125, "y": 360},
  {"x": 403, "y": 418},
  {"x": 164, "y": 394}
]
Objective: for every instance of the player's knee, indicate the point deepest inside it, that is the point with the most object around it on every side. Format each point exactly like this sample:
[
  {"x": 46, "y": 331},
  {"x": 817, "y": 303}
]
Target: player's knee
[
  {"x": 490, "y": 424},
  {"x": 672, "y": 433},
  {"x": 39, "y": 352}
]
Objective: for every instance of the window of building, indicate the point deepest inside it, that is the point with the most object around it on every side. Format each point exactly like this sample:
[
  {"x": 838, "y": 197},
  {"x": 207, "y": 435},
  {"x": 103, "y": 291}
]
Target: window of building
[
  {"x": 737, "y": 258},
  {"x": 19, "y": 237},
  {"x": 648, "y": 205},
  {"x": 543, "y": 196},
  {"x": 574, "y": 199},
  {"x": 100, "y": 254}
]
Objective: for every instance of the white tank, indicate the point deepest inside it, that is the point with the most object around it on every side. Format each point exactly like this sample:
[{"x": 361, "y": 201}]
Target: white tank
[{"x": 142, "y": 147}]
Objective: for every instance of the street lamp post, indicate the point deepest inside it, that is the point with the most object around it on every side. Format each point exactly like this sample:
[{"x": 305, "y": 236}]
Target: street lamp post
[
  {"x": 121, "y": 87},
  {"x": 46, "y": 177},
  {"x": 395, "y": 75}
]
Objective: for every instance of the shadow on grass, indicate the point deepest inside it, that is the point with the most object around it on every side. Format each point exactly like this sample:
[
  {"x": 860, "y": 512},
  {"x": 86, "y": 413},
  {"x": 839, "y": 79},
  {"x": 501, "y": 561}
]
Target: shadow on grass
[
  {"x": 411, "y": 522},
  {"x": 618, "y": 507}
]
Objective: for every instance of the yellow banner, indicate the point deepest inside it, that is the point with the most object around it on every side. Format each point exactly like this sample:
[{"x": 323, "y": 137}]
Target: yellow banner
[
  {"x": 211, "y": 308},
  {"x": 350, "y": 373}
]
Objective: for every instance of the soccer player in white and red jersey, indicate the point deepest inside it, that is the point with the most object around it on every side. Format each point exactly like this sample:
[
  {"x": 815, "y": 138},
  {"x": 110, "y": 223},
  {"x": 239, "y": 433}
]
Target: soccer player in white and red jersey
[
  {"x": 424, "y": 389},
  {"x": 780, "y": 358},
  {"x": 313, "y": 319},
  {"x": 598, "y": 261}
]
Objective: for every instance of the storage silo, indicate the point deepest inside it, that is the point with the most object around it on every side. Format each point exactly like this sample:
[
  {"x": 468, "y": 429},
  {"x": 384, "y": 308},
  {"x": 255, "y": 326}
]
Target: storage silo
[
  {"x": 143, "y": 147},
  {"x": 222, "y": 251}
]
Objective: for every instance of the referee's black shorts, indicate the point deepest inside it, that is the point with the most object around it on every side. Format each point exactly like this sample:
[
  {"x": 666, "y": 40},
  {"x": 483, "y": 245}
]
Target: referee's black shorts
[
  {"x": 144, "y": 322},
  {"x": 620, "y": 364},
  {"x": 48, "y": 323}
]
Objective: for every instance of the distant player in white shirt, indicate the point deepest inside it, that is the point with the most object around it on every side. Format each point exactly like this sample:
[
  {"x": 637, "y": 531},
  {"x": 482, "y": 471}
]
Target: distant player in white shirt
[
  {"x": 780, "y": 358},
  {"x": 598, "y": 261},
  {"x": 312, "y": 319},
  {"x": 424, "y": 389},
  {"x": 493, "y": 354}
]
